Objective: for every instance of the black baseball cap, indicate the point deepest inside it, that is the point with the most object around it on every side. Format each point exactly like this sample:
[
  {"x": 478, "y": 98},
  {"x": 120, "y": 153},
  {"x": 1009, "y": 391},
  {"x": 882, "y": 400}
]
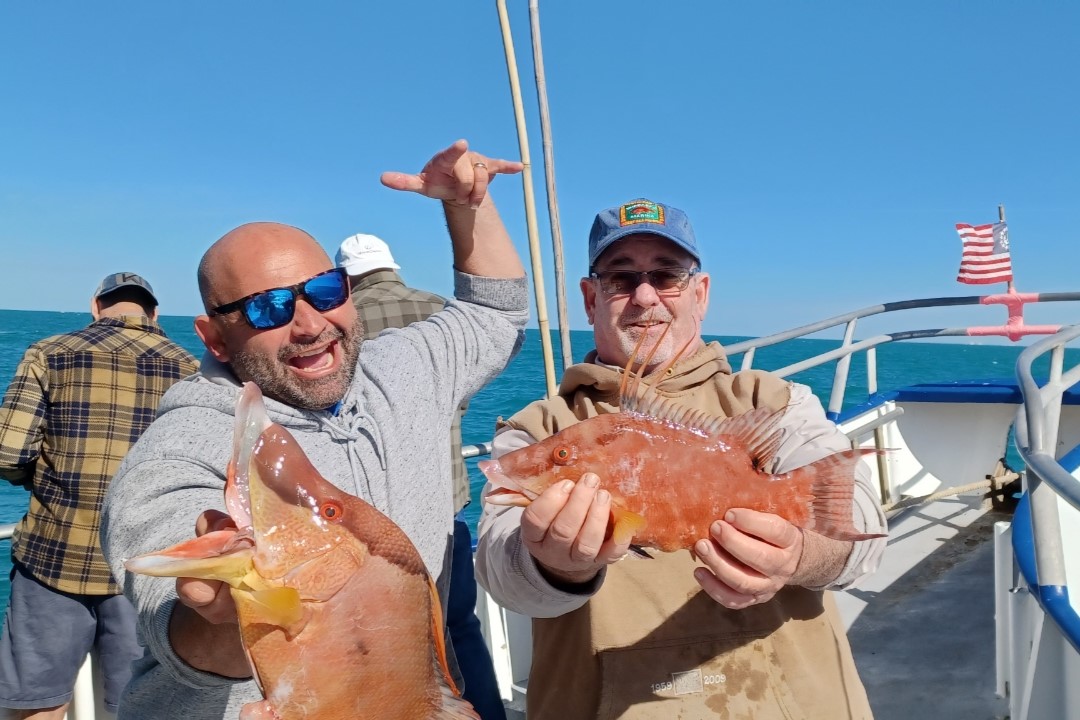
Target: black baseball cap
[{"x": 121, "y": 280}]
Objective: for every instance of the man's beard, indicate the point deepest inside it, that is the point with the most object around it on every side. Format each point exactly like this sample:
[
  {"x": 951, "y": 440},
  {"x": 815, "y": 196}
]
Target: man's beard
[{"x": 274, "y": 378}]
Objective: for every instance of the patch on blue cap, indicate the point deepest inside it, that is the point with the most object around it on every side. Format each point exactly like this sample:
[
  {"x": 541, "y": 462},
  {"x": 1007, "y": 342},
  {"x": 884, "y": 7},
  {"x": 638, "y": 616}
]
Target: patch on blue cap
[{"x": 641, "y": 211}]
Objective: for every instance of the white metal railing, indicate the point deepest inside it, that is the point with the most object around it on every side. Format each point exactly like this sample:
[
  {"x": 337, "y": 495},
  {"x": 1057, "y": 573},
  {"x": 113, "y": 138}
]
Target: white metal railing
[{"x": 1013, "y": 329}]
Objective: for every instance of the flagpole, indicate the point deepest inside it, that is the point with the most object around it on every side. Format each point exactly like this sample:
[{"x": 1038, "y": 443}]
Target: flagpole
[{"x": 1001, "y": 219}]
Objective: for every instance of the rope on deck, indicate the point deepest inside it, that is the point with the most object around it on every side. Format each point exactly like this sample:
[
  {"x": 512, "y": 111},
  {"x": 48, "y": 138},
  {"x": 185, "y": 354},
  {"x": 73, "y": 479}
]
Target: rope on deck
[
  {"x": 912, "y": 501},
  {"x": 994, "y": 484}
]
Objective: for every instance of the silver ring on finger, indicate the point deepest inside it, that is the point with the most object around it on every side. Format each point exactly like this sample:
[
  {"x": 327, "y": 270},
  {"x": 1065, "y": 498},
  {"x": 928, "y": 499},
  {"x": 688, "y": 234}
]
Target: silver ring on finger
[{"x": 479, "y": 164}]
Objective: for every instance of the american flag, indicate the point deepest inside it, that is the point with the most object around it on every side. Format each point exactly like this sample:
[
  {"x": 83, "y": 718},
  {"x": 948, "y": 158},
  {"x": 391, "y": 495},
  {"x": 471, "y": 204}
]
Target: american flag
[{"x": 985, "y": 257}]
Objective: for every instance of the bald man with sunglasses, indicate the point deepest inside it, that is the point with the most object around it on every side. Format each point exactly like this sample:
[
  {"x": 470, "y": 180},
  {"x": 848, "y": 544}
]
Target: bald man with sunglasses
[{"x": 367, "y": 415}]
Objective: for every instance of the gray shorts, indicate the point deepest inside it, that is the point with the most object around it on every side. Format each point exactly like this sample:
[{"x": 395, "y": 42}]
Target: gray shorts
[{"x": 47, "y": 635}]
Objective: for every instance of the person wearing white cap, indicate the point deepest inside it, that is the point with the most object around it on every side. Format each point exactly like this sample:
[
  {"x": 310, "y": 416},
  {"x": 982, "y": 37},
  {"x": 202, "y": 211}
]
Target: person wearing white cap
[
  {"x": 360, "y": 254},
  {"x": 382, "y": 301}
]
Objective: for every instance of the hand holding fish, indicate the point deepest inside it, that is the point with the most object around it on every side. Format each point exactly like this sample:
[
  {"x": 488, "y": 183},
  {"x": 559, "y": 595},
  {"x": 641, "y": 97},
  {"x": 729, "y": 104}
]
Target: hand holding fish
[
  {"x": 564, "y": 530},
  {"x": 203, "y": 629},
  {"x": 455, "y": 175},
  {"x": 749, "y": 557},
  {"x": 209, "y": 598}
]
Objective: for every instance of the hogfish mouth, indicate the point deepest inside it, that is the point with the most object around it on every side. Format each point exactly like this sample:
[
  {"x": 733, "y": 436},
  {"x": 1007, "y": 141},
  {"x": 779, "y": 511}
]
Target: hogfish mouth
[{"x": 505, "y": 490}]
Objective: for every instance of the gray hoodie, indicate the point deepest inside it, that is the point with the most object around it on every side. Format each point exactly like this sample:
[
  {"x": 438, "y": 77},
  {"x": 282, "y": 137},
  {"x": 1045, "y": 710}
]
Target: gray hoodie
[{"x": 389, "y": 443}]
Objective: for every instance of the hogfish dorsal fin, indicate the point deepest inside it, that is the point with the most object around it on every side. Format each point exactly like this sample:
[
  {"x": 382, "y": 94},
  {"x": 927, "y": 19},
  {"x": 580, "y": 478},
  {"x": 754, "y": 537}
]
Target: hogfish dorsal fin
[
  {"x": 756, "y": 430},
  {"x": 668, "y": 410}
]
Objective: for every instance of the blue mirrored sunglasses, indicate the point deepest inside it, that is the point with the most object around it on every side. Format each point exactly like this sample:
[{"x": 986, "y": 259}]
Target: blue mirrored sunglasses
[{"x": 273, "y": 308}]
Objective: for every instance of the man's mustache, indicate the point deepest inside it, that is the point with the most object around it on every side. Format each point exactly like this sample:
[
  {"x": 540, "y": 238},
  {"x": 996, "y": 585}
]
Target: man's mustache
[{"x": 646, "y": 317}]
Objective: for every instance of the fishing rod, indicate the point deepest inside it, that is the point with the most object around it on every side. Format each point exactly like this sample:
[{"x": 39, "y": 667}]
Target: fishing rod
[{"x": 527, "y": 186}]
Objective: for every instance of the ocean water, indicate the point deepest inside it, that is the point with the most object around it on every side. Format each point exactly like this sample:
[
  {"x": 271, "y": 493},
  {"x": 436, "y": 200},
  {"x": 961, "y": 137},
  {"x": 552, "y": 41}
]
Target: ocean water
[{"x": 899, "y": 364}]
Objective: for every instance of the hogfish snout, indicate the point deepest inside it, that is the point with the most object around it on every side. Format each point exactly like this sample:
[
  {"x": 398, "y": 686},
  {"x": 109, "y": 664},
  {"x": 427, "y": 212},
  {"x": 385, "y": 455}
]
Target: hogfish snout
[{"x": 505, "y": 490}]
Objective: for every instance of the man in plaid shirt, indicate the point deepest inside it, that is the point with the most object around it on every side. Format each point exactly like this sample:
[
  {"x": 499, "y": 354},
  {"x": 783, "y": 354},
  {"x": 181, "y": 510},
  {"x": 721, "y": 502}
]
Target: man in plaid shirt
[
  {"x": 77, "y": 404},
  {"x": 383, "y": 301}
]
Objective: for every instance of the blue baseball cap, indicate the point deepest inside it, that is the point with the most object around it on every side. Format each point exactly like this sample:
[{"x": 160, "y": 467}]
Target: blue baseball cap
[{"x": 641, "y": 217}]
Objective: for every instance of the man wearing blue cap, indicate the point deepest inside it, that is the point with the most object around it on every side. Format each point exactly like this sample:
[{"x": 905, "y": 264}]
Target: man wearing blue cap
[
  {"x": 746, "y": 630},
  {"x": 77, "y": 404}
]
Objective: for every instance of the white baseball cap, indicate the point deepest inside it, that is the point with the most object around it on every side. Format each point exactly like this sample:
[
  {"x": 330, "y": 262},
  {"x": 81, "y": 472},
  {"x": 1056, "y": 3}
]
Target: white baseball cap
[{"x": 360, "y": 254}]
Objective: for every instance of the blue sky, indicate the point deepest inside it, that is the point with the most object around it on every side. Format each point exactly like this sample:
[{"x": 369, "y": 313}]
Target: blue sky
[{"x": 823, "y": 150}]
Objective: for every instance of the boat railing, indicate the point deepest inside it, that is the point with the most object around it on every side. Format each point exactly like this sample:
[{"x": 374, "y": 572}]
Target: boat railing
[
  {"x": 476, "y": 450},
  {"x": 1013, "y": 329},
  {"x": 1037, "y": 439}
]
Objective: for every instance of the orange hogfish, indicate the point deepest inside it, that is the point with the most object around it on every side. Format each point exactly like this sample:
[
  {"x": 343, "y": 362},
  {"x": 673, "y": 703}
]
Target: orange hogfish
[
  {"x": 338, "y": 614},
  {"x": 673, "y": 471}
]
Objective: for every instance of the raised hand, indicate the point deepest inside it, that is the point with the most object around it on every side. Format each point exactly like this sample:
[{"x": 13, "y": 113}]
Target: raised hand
[{"x": 455, "y": 175}]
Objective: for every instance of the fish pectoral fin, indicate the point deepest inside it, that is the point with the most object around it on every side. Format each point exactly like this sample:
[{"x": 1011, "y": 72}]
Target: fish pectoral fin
[
  {"x": 756, "y": 431},
  {"x": 625, "y": 524},
  {"x": 280, "y": 606},
  {"x": 213, "y": 556},
  {"x": 832, "y": 484}
]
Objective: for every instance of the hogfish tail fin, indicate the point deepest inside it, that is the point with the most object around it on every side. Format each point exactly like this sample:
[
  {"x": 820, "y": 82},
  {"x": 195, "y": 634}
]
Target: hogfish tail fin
[{"x": 832, "y": 483}]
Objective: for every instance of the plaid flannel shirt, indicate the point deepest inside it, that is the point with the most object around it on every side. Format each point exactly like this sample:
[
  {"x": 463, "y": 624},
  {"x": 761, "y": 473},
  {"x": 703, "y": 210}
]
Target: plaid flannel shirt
[
  {"x": 77, "y": 404},
  {"x": 383, "y": 300}
]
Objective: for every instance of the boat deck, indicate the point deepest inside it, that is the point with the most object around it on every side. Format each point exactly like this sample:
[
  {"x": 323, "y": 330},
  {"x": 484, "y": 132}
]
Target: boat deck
[{"x": 922, "y": 627}]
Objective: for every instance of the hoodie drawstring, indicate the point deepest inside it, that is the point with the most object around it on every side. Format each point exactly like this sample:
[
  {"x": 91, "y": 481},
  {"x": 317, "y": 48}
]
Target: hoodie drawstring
[{"x": 350, "y": 436}]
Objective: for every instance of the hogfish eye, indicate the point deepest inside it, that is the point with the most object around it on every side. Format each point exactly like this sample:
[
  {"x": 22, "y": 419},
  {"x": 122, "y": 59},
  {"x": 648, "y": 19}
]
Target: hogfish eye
[
  {"x": 561, "y": 455},
  {"x": 331, "y": 510}
]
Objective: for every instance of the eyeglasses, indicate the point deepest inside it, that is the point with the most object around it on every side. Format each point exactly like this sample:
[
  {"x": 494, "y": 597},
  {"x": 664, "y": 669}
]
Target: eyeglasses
[
  {"x": 273, "y": 308},
  {"x": 665, "y": 281}
]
